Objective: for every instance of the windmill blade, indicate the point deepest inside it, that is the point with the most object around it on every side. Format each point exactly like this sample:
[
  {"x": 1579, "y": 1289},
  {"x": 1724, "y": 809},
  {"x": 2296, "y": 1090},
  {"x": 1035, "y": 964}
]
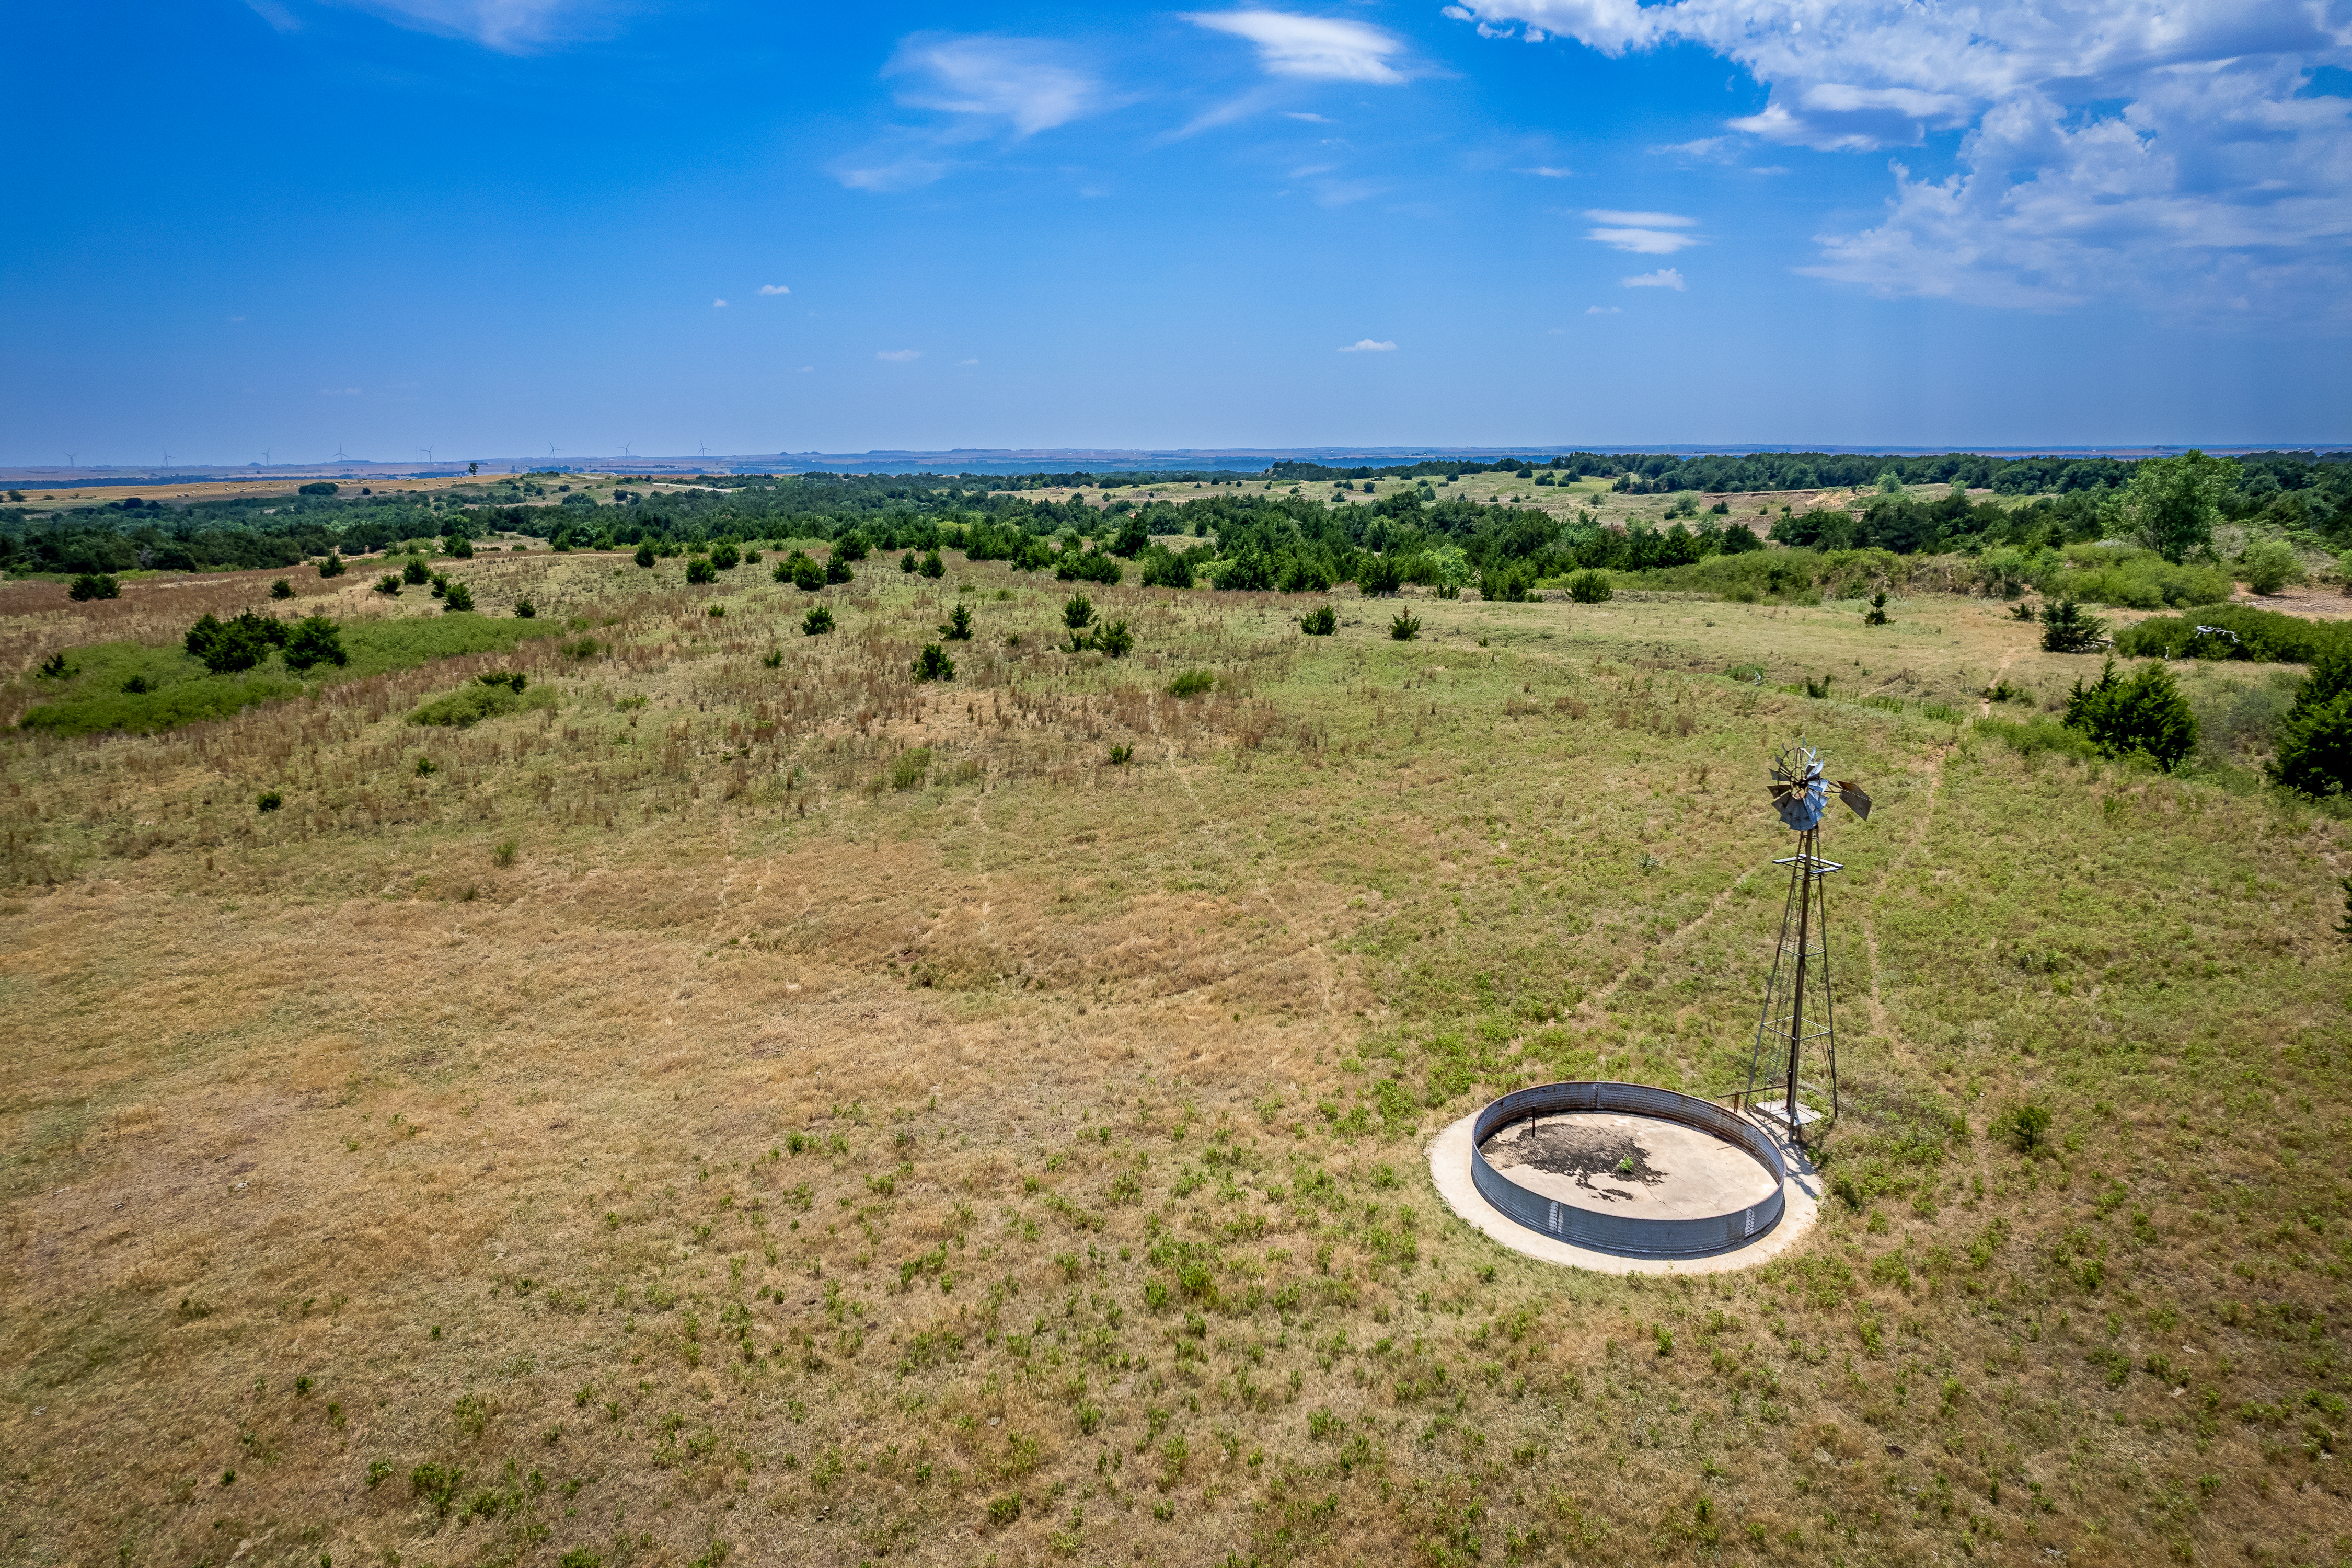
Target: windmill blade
[{"x": 1856, "y": 801}]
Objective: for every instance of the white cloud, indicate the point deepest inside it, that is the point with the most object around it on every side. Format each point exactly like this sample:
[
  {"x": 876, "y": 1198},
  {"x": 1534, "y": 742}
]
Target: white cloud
[
  {"x": 1663, "y": 277},
  {"x": 774, "y": 288},
  {"x": 1023, "y": 82},
  {"x": 1643, "y": 241},
  {"x": 1310, "y": 118},
  {"x": 1714, "y": 149},
  {"x": 1640, "y": 220},
  {"x": 1603, "y": 311},
  {"x": 719, "y": 304},
  {"x": 1320, "y": 49},
  {"x": 1547, "y": 172},
  {"x": 967, "y": 361},
  {"x": 904, "y": 173},
  {"x": 2112, "y": 148},
  {"x": 512, "y": 26},
  {"x": 899, "y": 356},
  {"x": 1367, "y": 346}
]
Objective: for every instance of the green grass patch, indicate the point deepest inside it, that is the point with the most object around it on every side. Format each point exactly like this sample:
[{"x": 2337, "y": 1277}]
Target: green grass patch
[
  {"x": 181, "y": 691},
  {"x": 469, "y": 705}
]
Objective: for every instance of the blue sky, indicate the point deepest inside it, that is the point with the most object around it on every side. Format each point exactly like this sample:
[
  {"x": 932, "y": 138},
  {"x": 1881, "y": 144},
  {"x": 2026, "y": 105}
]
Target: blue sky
[{"x": 487, "y": 227}]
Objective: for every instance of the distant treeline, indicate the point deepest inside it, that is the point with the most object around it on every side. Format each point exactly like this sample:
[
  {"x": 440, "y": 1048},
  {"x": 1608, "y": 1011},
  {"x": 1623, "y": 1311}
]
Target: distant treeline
[{"x": 1251, "y": 532}]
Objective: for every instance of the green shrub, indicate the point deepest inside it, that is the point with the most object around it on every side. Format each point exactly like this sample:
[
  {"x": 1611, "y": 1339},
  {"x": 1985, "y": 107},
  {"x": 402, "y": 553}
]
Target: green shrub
[
  {"x": 97, "y": 586},
  {"x": 1876, "y": 614},
  {"x": 1592, "y": 587},
  {"x": 332, "y": 566},
  {"x": 2025, "y": 1127},
  {"x": 317, "y": 487},
  {"x": 2270, "y": 564},
  {"x": 933, "y": 566},
  {"x": 1319, "y": 622},
  {"x": 801, "y": 572},
  {"x": 1406, "y": 626},
  {"x": 1192, "y": 683},
  {"x": 458, "y": 545},
  {"x": 2067, "y": 627},
  {"x": 525, "y": 610},
  {"x": 1114, "y": 640},
  {"x": 700, "y": 570},
  {"x": 389, "y": 585},
  {"x": 909, "y": 768},
  {"x": 138, "y": 686},
  {"x": 933, "y": 664},
  {"x": 817, "y": 622},
  {"x": 469, "y": 705},
  {"x": 2236, "y": 631},
  {"x": 906, "y": 563},
  {"x": 314, "y": 640},
  {"x": 458, "y": 600},
  {"x": 1378, "y": 576},
  {"x": 957, "y": 626},
  {"x": 836, "y": 570},
  {"x": 725, "y": 557},
  {"x": 54, "y": 666},
  {"x": 850, "y": 546},
  {"x": 281, "y": 589},
  {"x": 1078, "y": 611},
  {"x": 644, "y": 555},
  {"x": 2314, "y": 743},
  {"x": 414, "y": 573},
  {"x": 2143, "y": 712},
  {"x": 268, "y": 800},
  {"x": 227, "y": 647}
]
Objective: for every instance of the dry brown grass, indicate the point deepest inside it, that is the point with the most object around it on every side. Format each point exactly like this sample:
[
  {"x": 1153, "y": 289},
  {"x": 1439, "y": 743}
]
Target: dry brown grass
[{"x": 814, "y": 1166}]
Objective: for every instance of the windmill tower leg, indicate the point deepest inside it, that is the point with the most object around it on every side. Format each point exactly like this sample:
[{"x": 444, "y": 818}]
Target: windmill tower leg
[{"x": 1797, "y": 1012}]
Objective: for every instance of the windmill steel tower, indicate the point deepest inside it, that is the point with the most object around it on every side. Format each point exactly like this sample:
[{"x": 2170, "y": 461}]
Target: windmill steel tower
[{"x": 1800, "y": 1018}]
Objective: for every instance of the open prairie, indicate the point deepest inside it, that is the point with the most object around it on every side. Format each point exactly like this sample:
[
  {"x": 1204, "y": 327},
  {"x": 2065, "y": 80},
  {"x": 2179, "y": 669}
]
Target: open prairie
[{"x": 753, "y": 1107}]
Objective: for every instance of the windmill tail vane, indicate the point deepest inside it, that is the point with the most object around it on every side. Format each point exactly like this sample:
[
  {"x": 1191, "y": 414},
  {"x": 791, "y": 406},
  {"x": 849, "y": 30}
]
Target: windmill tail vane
[{"x": 1792, "y": 1075}]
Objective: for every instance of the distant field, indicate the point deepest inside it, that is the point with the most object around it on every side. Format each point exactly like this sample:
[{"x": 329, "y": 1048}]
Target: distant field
[{"x": 761, "y": 1110}]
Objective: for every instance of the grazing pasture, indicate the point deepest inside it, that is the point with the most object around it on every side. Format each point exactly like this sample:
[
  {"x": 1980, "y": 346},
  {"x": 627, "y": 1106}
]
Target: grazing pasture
[{"x": 708, "y": 1097}]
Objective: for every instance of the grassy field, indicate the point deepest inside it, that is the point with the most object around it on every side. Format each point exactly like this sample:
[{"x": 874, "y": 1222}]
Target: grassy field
[{"x": 758, "y": 1110}]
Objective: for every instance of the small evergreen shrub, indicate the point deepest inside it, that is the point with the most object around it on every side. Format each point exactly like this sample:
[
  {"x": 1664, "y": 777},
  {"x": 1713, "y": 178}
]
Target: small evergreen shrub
[
  {"x": 644, "y": 555},
  {"x": 1078, "y": 611},
  {"x": 314, "y": 640},
  {"x": 851, "y": 546},
  {"x": 933, "y": 664},
  {"x": 268, "y": 800},
  {"x": 725, "y": 557},
  {"x": 836, "y": 570},
  {"x": 817, "y": 622},
  {"x": 389, "y": 585},
  {"x": 97, "y": 585},
  {"x": 2025, "y": 1127},
  {"x": 774, "y": 658},
  {"x": 1406, "y": 626},
  {"x": 457, "y": 600},
  {"x": 933, "y": 566},
  {"x": 2143, "y": 712},
  {"x": 2314, "y": 742},
  {"x": 2067, "y": 627},
  {"x": 1319, "y": 622},
  {"x": 281, "y": 589},
  {"x": 332, "y": 566},
  {"x": 525, "y": 610},
  {"x": 801, "y": 572},
  {"x": 57, "y": 667},
  {"x": 907, "y": 562},
  {"x": 414, "y": 573},
  {"x": 227, "y": 648},
  {"x": 957, "y": 626},
  {"x": 1114, "y": 639},
  {"x": 458, "y": 545},
  {"x": 1378, "y": 576},
  {"x": 1590, "y": 587},
  {"x": 1876, "y": 614},
  {"x": 700, "y": 570},
  {"x": 1192, "y": 683},
  {"x": 1121, "y": 755}
]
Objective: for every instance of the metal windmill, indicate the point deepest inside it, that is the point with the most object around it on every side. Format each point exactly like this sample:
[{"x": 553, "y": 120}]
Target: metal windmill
[{"x": 1799, "y": 1020}]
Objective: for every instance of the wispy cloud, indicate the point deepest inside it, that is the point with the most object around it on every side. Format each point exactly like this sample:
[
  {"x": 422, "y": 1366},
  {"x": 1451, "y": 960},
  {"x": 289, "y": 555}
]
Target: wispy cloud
[
  {"x": 774, "y": 288},
  {"x": 1317, "y": 49},
  {"x": 899, "y": 356},
  {"x": 1603, "y": 311},
  {"x": 967, "y": 361},
  {"x": 1642, "y": 234},
  {"x": 1367, "y": 346},
  {"x": 1663, "y": 277},
  {"x": 514, "y": 26},
  {"x": 719, "y": 304},
  {"x": 1310, "y": 118},
  {"x": 1025, "y": 83},
  {"x": 903, "y": 172},
  {"x": 1545, "y": 171}
]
